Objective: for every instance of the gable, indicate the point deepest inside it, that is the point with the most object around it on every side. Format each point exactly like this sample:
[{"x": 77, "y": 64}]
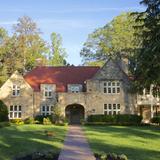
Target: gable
[
  {"x": 17, "y": 79},
  {"x": 111, "y": 71}
]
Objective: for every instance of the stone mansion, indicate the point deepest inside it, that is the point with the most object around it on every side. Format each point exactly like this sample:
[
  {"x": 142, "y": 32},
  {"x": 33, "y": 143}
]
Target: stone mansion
[{"x": 78, "y": 91}]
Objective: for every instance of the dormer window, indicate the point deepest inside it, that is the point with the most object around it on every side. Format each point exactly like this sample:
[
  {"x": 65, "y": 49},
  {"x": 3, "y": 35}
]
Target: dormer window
[
  {"x": 15, "y": 90},
  {"x": 48, "y": 91},
  {"x": 74, "y": 88},
  {"x": 111, "y": 87}
]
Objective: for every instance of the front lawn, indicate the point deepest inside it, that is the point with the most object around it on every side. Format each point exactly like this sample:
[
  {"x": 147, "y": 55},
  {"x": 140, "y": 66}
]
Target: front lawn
[
  {"x": 138, "y": 143},
  {"x": 24, "y": 139}
]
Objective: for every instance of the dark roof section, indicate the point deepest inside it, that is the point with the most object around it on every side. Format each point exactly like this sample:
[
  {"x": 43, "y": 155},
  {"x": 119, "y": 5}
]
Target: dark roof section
[{"x": 61, "y": 76}]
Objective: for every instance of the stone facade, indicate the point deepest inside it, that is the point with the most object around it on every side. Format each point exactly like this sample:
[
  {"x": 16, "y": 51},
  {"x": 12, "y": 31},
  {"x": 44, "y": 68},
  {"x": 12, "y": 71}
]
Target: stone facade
[{"x": 95, "y": 99}]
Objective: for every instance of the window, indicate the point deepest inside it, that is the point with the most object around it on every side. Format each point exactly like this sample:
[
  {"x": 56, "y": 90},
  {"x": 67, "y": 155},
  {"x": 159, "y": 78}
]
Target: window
[
  {"x": 111, "y": 109},
  {"x": 74, "y": 88},
  {"x": 48, "y": 91},
  {"x": 15, "y": 112},
  {"x": 46, "y": 110},
  {"x": 111, "y": 87},
  {"x": 15, "y": 90}
]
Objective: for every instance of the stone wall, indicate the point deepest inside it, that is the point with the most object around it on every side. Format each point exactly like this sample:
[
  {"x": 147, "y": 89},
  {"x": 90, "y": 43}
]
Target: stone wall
[{"x": 25, "y": 99}]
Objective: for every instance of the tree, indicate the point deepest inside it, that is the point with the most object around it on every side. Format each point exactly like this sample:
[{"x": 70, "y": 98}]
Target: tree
[
  {"x": 30, "y": 45},
  {"x": 116, "y": 37},
  {"x": 3, "y": 112},
  {"x": 147, "y": 57},
  {"x": 58, "y": 53}
]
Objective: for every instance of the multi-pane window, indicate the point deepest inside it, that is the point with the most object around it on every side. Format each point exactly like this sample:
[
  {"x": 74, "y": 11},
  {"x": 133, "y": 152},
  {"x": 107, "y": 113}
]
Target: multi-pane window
[
  {"x": 48, "y": 91},
  {"x": 75, "y": 89},
  {"x": 111, "y": 87},
  {"x": 46, "y": 110},
  {"x": 112, "y": 109},
  {"x": 15, "y": 90},
  {"x": 15, "y": 111}
]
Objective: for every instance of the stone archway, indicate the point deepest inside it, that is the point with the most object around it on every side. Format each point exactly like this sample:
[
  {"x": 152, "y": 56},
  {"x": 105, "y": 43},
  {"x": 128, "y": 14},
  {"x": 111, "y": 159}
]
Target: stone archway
[{"x": 74, "y": 113}]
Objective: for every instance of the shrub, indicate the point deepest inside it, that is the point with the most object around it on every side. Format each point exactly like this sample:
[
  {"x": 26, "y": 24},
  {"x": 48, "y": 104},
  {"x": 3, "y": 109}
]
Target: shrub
[
  {"x": 57, "y": 116},
  {"x": 4, "y": 124},
  {"x": 29, "y": 120},
  {"x": 39, "y": 118},
  {"x": 110, "y": 156},
  {"x": 121, "y": 119},
  {"x": 46, "y": 121},
  {"x": 17, "y": 121},
  {"x": 3, "y": 112},
  {"x": 128, "y": 119},
  {"x": 156, "y": 120}
]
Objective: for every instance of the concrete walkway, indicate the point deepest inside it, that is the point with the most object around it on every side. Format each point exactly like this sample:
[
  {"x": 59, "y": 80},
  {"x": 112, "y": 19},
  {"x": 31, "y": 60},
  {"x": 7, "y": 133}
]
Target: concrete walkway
[{"x": 76, "y": 146}]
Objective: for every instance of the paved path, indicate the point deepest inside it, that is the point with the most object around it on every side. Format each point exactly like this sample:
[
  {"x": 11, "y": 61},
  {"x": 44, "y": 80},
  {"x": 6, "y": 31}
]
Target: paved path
[{"x": 76, "y": 146}]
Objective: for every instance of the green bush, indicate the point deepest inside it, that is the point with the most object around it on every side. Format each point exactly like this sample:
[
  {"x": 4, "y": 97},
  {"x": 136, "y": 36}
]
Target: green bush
[
  {"x": 39, "y": 118},
  {"x": 110, "y": 156},
  {"x": 17, "y": 121},
  {"x": 4, "y": 124},
  {"x": 156, "y": 120},
  {"x": 46, "y": 121},
  {"x": 29, "y": 120},
  {"x": 3, "y": 112},
  {"x": 128, "y": 119},
  {"x": 121, "y": 119}
]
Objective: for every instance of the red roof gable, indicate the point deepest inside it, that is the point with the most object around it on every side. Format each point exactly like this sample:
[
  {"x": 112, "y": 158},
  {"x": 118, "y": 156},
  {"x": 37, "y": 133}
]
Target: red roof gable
[{"x": 61, "y": 76}]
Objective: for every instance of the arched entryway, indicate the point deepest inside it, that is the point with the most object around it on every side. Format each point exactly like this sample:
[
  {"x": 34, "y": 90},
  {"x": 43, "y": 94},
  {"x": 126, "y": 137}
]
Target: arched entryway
[{"x": 74, "y": 113}]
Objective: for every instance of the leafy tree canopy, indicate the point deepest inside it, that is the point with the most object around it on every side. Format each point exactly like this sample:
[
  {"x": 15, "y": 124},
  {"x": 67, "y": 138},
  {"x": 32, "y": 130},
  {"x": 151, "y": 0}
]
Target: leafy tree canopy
[{"x": 116, "y": 37}]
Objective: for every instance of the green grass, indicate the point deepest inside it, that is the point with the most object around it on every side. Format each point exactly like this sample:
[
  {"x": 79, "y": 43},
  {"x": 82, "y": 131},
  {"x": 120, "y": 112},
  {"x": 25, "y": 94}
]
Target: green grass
[
  {"x": 138, "y": 143},
  {"x": 20, "y": 140}
]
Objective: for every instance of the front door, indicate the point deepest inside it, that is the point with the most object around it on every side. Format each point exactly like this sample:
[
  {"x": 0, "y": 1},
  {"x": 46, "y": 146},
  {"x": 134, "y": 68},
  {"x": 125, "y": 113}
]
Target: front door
[{"x": 75, "y": 113}]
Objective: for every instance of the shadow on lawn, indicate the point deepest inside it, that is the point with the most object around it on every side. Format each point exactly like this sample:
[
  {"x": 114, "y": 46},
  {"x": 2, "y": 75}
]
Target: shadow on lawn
[
  {"x": 132, "y": 153},
  {"x": 141, "y": 131},
  {"x": 16, "y": 143}
]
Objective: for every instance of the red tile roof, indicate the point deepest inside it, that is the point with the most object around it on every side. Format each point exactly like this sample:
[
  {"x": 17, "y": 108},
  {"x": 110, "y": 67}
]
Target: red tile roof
[{"x": 61, "y": 76}]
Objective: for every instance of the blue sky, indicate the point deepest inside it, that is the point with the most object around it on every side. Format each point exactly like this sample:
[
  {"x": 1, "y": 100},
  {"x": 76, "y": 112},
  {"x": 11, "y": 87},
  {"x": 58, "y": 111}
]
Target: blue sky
[{"x": 73, "y": 19}]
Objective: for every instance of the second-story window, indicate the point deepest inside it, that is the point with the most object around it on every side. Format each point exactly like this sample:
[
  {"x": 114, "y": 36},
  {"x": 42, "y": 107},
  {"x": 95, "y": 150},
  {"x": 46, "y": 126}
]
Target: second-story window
[
  {"x": 75, "y": 89},
  {"x": 111, "y": 87},
  {"x": 48, "y": 91},
  {"x": 15, "y": 90}
]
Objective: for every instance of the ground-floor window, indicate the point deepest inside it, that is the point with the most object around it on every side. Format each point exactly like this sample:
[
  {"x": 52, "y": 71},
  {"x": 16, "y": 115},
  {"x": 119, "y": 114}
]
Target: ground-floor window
[
  {"x": 46, "y": 110},
  {"x": 112, "y": 109},
  {"x": 15, "y": 111}
]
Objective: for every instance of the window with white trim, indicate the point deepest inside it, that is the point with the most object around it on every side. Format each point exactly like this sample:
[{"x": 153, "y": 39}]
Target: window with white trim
[
  {"x": 112, "y": 109},
  {"x": 46, "y": 110},
  {"x": 75, "y": 89},
  {"x": 15, "y": 90},
  {"x": 48, "y": 89},
  {"x": 111, "y": 87},
  {"x": 15, "y": 111}
]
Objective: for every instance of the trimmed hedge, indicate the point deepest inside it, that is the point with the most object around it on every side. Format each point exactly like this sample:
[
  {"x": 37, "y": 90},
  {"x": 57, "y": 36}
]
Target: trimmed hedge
[
  {"x": 3, "y": 112},
  {"x": 156, "y": 120},
  {"x": 121, "y": 119}
]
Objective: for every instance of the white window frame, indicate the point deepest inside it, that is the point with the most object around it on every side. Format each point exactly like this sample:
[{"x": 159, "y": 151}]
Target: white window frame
[
  {"x": 111, "y": 87},
  {"x": 75, "y": 89},
  {"x": 48, "y": 91},
  {"x": 111, "y": 109},
  {"x": 46, "y": 110},
  {"x": 15, "y": 90},
  {"x": 16, "y": 111}
]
